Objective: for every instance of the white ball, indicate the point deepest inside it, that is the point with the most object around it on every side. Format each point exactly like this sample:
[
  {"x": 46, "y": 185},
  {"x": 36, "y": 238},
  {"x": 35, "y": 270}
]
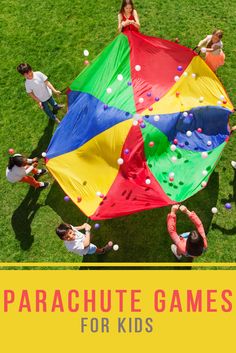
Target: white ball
[
  {"x": 204, "y": 184},
  {"x": 173, "y": 148},
  {"x": 120, "y": 77},
  {"x": 204, "y": 154},
  {"x": 189, "y": 133},
  {"x": 209, "y": 143},
  {"x": 176, "y": 78},
  {"x": 204, "y": 172},
  {"x": 109, "y": 90},
  {"x": 148, "y": 181},
  {"x": 201, "y": 99},
  {"x": 185, "y": 74},
  {"x": 219, "y": 102},
  {"x": 141, "y": 100},
  {"x": 120, "y": 161},
  {"x": 115, "y": 247},
  {"x": 214, "y": 210},
  {"x": 135, "y": 122},
  {"x": 203, "y": 50},
  {"x": 137, "y": 67},
  {"x": 174, "y": 159},
  {"x": 98, "y": 193},
  {"x": 171, "y": 175},
  {"x": 193, "y": 75},
  {"x": 185, "y": 114},
  {"x": 44, "y": 154},
  {"x": 86, "y": 52},
  {"x": 222, "y": 97},
  {"x": 156, "y": 117}
]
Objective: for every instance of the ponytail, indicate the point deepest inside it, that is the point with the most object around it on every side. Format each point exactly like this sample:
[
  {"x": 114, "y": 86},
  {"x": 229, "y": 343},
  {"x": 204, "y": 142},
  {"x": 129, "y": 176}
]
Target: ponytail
[
  {"x": 17, "y": 160},
  {"x": 11, "y": 163}
]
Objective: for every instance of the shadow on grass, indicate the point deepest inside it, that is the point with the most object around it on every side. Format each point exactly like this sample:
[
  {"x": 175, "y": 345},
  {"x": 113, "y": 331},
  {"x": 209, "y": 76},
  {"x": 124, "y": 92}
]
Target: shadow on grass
[
  {"x": 68, "y": 212},
  {"x": 23, "y": 217},
  {"x": 142, "y": 237},
  {"x": 24, "y": 214},
  {"x": 224, "y": 231},
  {"x": 231, "y": 198}
]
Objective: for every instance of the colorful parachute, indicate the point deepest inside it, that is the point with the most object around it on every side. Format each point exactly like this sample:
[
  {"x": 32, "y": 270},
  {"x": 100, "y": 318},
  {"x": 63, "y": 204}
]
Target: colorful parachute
[{"x": 146, "y": 125}]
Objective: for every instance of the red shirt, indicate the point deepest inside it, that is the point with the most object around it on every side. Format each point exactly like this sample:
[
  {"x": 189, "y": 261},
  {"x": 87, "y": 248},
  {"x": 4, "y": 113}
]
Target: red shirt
[
  {"x": 179, "y": 241},
  {"x": 130, "y": 27}
]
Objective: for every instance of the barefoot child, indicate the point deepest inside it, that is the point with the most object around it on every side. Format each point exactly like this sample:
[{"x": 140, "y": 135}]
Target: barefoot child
[
  {"x": 40, "y": 90},
  {"x": 78, "y": 242},
  {"x": 189, "y": 244},
  {"x": 19, "y": 168},
  {"x": 212, "y": 46},
  {"x": 128, "y": 18}
]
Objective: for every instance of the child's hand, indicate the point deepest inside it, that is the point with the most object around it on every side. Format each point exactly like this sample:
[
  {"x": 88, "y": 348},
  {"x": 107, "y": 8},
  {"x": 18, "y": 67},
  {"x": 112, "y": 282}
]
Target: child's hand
[
  {"x": 183, "y": 209},
  {"x": 233, "y": 128},
  {"x": 87, "y": 226},
  {"x": 40, "y": 105},
  {"x": 57, "y": 92},
  {"x": 174, "y": 208},
  {"x": 35, "y": 160}
]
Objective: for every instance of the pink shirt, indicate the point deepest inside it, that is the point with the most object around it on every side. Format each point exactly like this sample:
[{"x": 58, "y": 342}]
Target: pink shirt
[{"x": 179, "y": 241}]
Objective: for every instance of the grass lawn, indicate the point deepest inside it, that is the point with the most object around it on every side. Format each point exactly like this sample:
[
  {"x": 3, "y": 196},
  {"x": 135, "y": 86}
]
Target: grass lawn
[{"x": 51, "y": 36}]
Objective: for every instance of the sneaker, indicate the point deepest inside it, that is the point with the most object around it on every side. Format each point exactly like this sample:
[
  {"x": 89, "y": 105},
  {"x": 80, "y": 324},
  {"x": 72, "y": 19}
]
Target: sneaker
[
  {"x": 107, "y": 247},
  {"x": 174, "y": 250},
  {"x": 57, "y": 107},
  {"x": 43, "y": 171},
  {"x": 233, "y": 163},
  {"x": 44, "y": 186}
]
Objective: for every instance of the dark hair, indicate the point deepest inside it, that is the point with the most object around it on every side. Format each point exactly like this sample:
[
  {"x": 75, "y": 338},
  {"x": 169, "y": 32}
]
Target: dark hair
[
  {"x": 17, "y": 160},
  {"x": 124, "y": 3},
  {"x": 194, "y": 244},
  {"x": 24, "y": 68},
  {"x": 62, "y": 229}
]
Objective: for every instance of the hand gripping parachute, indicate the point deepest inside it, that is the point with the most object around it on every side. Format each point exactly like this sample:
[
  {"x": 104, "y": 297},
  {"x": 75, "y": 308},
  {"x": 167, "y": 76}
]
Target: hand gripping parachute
[{"x": 146, "y": 125}]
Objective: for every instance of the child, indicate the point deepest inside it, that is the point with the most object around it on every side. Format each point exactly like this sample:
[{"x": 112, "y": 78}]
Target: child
[
  {"x": 19, "y": 167},
  {"x": 212, "y": 46},
  {"x": 189, "y": 244},
  {"x": 128, "y": 18},
  {"x": 77, "y": 242},
  {"x": 40, "y": 89}
]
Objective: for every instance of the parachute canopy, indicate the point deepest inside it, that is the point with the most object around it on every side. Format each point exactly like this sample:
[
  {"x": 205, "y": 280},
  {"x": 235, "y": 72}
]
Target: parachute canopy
[{"x": 146, "y": 124}]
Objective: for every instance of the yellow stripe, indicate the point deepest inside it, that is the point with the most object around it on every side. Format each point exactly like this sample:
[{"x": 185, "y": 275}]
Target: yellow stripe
[
  {"x": 205, "y": 85},
  {"x": 117, "y": 264},
  {"x": 91, "y": 168}
]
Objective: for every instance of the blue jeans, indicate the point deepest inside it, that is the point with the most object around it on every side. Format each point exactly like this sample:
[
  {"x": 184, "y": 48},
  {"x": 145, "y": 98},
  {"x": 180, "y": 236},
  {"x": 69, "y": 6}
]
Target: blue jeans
[{"x": 47, "y": 110}]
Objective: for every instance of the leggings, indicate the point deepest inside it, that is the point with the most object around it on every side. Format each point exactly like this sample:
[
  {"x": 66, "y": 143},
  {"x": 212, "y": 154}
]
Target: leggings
[{"x": 30, "y": 180}]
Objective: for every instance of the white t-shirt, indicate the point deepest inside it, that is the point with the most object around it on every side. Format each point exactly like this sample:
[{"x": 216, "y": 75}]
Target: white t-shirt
[
  {"x": 38, "y": 87},
  {"x": 76, "y": 246},
  {"x": 205, "y": 41},
  {"x": 17, "y": 173}
]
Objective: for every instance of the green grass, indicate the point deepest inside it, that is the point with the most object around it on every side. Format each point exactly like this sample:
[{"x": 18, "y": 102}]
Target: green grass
[{"x": 51, "y": 36}]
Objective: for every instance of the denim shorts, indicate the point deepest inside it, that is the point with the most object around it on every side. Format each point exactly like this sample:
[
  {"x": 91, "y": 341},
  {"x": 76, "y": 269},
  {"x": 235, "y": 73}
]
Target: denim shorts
[{"x": 92, "y": 249}]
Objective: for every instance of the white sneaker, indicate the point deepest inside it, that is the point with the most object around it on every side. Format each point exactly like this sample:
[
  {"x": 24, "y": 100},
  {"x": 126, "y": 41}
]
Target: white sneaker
[
  {"x": 233, "y": 163},
  {"x": 174, "y": 250}
]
